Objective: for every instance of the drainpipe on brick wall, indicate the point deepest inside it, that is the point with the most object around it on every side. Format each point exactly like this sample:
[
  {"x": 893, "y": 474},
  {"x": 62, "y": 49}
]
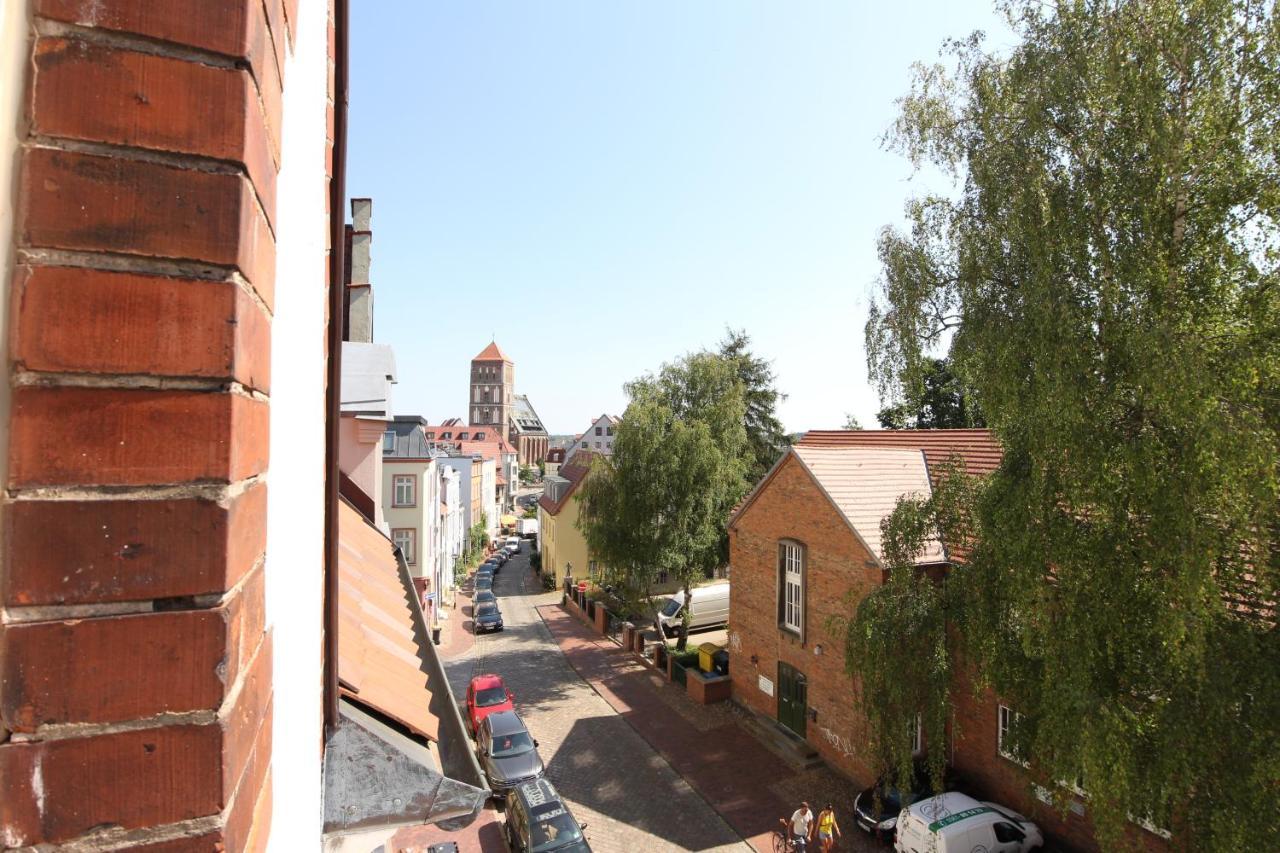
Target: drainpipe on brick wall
[{"x": 333, "y": 400}]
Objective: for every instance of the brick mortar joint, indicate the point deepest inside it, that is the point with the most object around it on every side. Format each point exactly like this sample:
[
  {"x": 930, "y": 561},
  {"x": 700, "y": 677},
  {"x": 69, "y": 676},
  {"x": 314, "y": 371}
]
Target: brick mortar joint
[
  {"x": 72, "y": 731},
  {"x": 221, "y": 494},
  {"x": 31, "y": 614},
  {"x": 170, "y": 159},
  {"x": 48, "y": 28},
  {"x": 23, "y": 378},
  {"x": 115, "y": 838}
]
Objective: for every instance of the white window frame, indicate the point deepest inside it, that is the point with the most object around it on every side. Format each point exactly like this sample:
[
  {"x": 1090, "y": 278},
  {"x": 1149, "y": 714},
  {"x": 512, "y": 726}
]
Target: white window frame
[
  {"x": 1006, "y": 718},
  {"x": 411, "y": 540},
  {"x": 398, "y": 480},
  {"x": 792, "y": 587}
]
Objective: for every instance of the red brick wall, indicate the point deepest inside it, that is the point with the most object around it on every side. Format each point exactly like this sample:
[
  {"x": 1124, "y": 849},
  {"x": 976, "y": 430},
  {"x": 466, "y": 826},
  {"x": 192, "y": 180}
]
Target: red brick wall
[
  {"x": 975, "y": 754},
  {"x": 135, "y": 667},
  {"x": 792, "y": 507}
]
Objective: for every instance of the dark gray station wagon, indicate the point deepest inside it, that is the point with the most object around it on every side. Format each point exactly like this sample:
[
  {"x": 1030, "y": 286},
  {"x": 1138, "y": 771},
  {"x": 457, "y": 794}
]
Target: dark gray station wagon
[{"x": 508, "y": 753}]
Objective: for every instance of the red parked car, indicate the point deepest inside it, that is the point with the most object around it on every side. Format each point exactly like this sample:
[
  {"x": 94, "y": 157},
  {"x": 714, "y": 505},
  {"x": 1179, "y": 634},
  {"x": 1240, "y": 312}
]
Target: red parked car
[{"x": 487, "y": 695}]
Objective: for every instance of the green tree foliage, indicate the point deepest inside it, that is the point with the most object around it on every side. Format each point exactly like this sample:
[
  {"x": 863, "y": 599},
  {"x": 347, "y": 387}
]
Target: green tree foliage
[
  {"x": 661, "y": 501},
  {"x": 1107, "y": 280},
  {"x": 898, "y": 642},
  {"x": 939, "y": 402},
  {"x": 527, "y": 474},
  {"x": 851, "y": 422},
  {"x": 765, "y": 435}
]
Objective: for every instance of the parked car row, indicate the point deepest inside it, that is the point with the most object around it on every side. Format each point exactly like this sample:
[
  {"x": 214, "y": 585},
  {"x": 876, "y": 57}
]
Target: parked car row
[
  {"x": 486, "y": 615},
  {"x": 537, "y": 819}
]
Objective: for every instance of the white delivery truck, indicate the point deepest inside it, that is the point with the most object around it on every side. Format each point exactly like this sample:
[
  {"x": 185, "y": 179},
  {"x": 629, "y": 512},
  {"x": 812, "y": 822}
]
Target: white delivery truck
[
  {"x": 527, "y": 528},
  {"x": 957, "y": 823},
  {"x": 710, "y": 606}
]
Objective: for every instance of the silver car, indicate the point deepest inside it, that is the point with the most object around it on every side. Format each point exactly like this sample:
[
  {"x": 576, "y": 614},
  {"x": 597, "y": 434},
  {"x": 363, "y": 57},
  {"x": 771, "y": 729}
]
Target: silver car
[{"x": 508, "y": 753}]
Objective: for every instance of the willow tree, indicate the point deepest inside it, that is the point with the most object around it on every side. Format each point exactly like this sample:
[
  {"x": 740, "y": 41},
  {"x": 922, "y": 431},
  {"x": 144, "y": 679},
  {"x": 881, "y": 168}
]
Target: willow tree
[
  {"x": 1105, "y": 277},
  {"x": 659, "y": 504}
]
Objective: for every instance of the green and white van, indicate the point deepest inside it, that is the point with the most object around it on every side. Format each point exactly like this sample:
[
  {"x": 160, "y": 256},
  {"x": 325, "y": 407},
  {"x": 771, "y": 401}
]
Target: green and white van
[{"x": 957, "y": 823}]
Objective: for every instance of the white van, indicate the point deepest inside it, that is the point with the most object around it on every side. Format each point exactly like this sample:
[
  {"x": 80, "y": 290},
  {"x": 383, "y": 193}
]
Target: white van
[
  {"x": 710, "y": 606},
  {"x": 957, "y": 823}
]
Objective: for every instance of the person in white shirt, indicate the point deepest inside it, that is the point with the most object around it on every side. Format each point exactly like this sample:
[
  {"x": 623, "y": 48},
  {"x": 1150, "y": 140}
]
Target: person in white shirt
[{"x": 801, "y": 826}]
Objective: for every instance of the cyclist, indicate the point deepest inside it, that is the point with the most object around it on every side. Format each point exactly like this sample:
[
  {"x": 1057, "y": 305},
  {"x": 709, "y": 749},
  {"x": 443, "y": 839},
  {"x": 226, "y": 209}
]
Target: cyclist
[{"x": 801, "y": 827}]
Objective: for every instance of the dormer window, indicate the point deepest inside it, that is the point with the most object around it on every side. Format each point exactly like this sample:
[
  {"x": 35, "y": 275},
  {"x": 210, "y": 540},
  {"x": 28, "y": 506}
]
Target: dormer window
[
  {"x": 446, "y": 435},
  {"x": 462, "y": 436},
  {"x": 480, "y": 436},
  {"x": 388, "y": 441}
]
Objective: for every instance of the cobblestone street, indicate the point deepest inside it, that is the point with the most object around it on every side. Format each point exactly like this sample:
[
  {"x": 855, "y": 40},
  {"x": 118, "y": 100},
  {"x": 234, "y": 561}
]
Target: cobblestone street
[{"x": 613, "y": 779}]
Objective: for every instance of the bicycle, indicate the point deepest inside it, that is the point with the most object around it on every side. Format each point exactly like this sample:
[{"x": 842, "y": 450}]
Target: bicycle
[{"x": 783, "y": 842}]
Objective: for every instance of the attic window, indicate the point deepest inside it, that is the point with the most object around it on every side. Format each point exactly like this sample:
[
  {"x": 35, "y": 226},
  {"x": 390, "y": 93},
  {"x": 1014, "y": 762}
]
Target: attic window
[
  {"x": 462, "y": 436},
  {"x": 388, "y": 441},
  {"x": 480, "y": 436},
  {"x": 446, "y": 435},
  {"x": 431, "y": 435}
]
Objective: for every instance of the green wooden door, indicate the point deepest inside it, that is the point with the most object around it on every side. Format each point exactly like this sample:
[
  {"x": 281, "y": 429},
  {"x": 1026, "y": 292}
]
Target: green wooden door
[{"x": 792, "y": 698}]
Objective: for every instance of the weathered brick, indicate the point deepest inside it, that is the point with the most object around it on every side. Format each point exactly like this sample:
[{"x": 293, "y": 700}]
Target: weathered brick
[
  {"x": 71, "y": 671},
  {"x": 153, "y": 102},
  {"x": 93, "y": 203},
  {"x": 57, "y": 790},
  {"x": 83, "y": 552},
  {"x": 245, "y": 720},
  {"x": 115, "y": 322},
  {"x": 101, "y": 436}
]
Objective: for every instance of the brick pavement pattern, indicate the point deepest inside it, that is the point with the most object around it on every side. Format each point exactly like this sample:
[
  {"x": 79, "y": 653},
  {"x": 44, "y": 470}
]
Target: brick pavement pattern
[
  {"x": 748, "y": 785},
  {"x": 613, "y": 780}
]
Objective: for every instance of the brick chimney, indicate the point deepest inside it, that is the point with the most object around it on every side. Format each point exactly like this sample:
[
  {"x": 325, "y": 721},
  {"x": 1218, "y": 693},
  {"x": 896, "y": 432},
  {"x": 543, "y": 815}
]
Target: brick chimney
[{"x": 359, "y": 289}]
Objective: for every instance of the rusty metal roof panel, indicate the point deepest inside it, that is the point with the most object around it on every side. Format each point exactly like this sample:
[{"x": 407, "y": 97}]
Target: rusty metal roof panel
[{"x": 380, "y": 664}]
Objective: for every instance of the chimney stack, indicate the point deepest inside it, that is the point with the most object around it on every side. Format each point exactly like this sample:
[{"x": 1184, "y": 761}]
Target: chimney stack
[{"x": 359, "y": 288}]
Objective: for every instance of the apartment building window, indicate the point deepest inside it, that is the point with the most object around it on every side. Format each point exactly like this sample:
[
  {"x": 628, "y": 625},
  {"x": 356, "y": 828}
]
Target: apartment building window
[
  {"x": 406, "y": 539},
  {"x": 405, "y": 487},
  {"x": 597, "y": 445},
  {"x": 608, "y": 431},
  {"x": 388, "y": 441},
  {"x": 584, "y": 445},
  {"x": 599, "y": 431},
  {"x": 791, "y": 587},
  {"x": 1007, "y": 722}
]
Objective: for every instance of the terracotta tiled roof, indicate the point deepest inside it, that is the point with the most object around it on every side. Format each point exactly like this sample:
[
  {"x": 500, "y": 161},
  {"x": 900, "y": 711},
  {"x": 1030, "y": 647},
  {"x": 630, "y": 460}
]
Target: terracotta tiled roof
[
  {"x": 976, "y": 447},
  {"x": 865, "y": 483},
  {"x": 379, "y": 663},
  {"x": 491, "y": 353},
  {"x": 575, "y": 472}
]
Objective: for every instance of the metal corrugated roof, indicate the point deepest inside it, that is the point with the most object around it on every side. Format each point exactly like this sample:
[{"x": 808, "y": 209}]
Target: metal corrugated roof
[
  {"x": 865, "y": 483},
  {"x": 379, "y": 660}
]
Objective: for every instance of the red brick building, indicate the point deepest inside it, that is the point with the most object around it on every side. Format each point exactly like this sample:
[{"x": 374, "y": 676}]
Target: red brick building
[{"x": 804, "y": 547}]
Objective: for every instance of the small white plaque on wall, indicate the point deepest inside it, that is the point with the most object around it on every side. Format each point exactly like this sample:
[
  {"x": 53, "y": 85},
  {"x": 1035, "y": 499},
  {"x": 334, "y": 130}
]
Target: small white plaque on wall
[{"x": 766, "y": 686}]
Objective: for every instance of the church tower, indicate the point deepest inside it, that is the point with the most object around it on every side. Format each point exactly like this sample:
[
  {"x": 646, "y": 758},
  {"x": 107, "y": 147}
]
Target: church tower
[{"x": 493, "y": 381}]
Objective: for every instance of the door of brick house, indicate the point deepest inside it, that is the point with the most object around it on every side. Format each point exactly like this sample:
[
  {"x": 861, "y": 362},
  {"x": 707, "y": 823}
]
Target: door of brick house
[{"x": 792, "y": 698}]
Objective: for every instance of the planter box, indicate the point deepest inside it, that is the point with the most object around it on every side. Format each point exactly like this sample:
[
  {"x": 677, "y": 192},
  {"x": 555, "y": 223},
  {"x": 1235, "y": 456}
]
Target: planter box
[{"x": 706, "y": 689}]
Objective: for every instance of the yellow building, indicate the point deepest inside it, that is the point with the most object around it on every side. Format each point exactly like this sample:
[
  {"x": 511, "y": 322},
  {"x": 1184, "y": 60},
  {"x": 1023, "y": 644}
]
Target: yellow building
[{"x": 564, "y": 548}]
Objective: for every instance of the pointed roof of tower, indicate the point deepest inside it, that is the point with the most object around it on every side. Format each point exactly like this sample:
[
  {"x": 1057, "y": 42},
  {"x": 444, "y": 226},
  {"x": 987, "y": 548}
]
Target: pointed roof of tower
[{"x": 491, "y": 353}]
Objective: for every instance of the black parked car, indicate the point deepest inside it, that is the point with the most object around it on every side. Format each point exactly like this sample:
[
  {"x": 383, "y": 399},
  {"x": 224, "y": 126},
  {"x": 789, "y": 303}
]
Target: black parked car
[
  {"x": 876, "y": 808},
  {"x": 483, "y": 582},
  {"x": 484, "y": 596},
  {"x": 537, "y": 820},
  {"x": 508, "y": 753},
  {"x": 487, "y": 618}
]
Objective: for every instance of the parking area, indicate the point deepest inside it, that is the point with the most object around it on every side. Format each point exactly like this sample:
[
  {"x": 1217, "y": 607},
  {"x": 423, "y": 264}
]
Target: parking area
[{"x": 621, "y": 787}]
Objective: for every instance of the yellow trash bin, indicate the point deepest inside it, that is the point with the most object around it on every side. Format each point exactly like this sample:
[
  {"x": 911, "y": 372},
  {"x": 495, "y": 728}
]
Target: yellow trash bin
[{"x": 705, "y": 653}]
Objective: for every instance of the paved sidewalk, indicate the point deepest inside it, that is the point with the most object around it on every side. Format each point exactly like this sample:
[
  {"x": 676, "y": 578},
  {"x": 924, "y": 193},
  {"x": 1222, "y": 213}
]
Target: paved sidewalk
[{"x": 748, "y": 785}]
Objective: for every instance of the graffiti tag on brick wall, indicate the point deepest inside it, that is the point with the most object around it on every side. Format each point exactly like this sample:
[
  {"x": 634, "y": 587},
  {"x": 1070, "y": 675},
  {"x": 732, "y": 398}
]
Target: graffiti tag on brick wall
[
  {"x": 842, "y": 744},
  {"x": 735, "y": 642}
]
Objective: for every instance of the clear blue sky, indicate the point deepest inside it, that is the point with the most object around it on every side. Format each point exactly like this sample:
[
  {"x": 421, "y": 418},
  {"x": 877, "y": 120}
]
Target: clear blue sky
[{"x": 604, "y": 186}]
